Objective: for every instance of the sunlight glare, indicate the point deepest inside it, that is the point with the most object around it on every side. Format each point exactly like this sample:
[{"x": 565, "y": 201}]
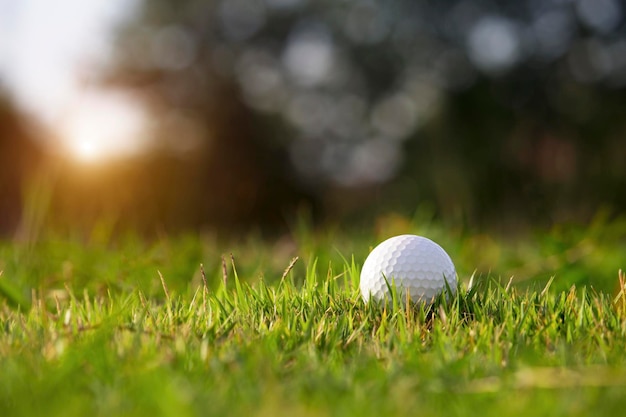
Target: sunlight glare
[
  {"x": 86, "y": 150},
  {"x": 103, "y": 126}
]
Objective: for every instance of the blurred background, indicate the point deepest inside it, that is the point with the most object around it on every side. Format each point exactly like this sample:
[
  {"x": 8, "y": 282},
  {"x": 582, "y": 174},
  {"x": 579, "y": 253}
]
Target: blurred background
[{"x": 169, "y": 115}]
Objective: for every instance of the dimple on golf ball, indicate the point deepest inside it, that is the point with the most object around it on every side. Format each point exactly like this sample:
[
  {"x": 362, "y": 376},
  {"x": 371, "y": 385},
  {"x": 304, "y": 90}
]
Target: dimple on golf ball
[{"x": 414, "y": 264}]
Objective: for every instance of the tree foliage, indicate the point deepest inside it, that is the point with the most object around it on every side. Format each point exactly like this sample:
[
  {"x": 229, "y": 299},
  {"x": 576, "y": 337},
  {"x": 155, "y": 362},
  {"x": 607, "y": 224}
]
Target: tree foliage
[{"x": 479, "y": 107}]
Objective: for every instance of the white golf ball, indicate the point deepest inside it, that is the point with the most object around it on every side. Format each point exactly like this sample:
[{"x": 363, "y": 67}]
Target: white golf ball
[{"x": 414, "y": 264}]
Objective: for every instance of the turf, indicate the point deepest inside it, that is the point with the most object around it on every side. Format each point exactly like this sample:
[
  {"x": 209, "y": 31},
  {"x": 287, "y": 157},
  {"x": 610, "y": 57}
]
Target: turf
[{"x": 178, "y": 327}]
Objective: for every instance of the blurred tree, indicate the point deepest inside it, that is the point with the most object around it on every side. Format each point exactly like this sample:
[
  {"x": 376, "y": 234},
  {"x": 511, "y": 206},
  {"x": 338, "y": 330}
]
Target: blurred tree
[
  {"x": 19, "y": 156},
  {"x": 481, "y": 107}
]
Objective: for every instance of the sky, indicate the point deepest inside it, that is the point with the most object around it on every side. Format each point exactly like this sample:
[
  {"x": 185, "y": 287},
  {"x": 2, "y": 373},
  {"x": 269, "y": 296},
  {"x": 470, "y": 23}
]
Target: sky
[{"x": 49, "y": 51}]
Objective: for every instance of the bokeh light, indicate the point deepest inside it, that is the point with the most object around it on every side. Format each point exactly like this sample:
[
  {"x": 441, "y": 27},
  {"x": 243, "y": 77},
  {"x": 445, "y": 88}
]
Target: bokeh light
[
  {"x": 308, "y": 55},
  {"x": 494, "y": 44},
  {"x": 468, "y": 101}
]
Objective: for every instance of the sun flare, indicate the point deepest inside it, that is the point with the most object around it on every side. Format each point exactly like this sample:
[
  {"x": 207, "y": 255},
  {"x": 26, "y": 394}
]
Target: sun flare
[
  {"x": 101, "y": 127},
  {"x": 86, "y": 150}
]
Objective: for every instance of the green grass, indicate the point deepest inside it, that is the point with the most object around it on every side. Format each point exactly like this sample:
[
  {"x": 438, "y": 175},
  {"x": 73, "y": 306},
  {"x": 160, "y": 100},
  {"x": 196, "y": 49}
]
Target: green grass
[{"x": 90, "y": 328}]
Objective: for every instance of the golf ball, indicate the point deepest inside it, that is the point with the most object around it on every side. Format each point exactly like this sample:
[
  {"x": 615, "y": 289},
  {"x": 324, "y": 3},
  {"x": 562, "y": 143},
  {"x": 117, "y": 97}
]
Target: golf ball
[{"x": 414, "y": 264}]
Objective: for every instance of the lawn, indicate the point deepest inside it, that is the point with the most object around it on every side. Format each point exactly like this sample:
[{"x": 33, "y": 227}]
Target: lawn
[{"x": 177, "y": 326}]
